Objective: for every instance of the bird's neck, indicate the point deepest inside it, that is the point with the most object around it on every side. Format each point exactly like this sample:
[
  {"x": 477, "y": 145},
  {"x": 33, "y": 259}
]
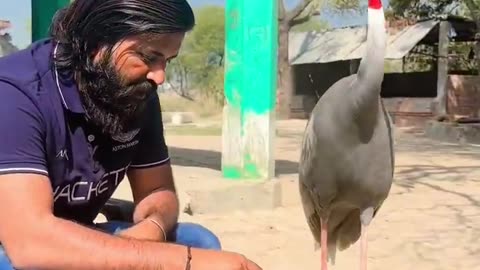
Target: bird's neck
[{"x": 366, "y": 93}]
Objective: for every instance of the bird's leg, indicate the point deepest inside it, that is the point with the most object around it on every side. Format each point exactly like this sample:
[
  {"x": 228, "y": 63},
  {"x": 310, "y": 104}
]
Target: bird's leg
[
  {"x": 363, "y": 247},
  {"x": 365, "y": 219},
  {"x": 324, "y": 247}
]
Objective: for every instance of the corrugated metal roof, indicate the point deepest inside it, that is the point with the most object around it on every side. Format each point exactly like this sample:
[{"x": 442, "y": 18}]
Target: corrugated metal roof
[{"x": 349, "y": 43}]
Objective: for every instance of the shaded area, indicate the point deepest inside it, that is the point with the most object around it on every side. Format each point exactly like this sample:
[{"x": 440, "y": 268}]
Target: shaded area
[
  {"x": 212, "y": 160},
  {"x": 408, "y": 176},
  {"x": 421, "y": 144},
  {"x": 440, "y": 178},
  {"x": 450, "y": 182}
]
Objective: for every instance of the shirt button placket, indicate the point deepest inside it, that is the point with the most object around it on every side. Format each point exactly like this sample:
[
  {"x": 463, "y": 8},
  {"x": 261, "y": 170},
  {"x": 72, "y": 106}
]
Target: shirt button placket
[{"x": 93, "y": 149}]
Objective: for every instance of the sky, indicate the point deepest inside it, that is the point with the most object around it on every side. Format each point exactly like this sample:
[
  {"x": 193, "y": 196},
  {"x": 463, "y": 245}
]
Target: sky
[{"x": 19, "y": 13}]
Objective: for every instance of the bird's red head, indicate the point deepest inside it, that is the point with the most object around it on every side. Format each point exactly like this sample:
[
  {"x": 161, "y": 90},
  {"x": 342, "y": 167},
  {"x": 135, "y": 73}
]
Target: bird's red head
[{"x": 375, "y": 4}]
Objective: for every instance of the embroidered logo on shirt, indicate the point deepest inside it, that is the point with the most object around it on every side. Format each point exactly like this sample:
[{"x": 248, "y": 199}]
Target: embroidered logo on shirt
[
  {"x": 85, "y": 189},
  {"x": 126, "y": 137},
  {"x": 63, "y": 154},
  {"x": 124, "y": 146}
]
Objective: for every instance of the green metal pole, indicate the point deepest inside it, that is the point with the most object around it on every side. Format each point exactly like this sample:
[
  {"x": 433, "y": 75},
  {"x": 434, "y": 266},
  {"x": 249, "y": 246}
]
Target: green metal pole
[
  {"x": 42, "y": 15},
  {"x": 251, "y": 29}
]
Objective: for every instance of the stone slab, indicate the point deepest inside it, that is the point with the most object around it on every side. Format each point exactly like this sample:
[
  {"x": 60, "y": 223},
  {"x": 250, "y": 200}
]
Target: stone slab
[
  {"x": 178, "y": 118},
  {"x": 204, "y": 191}
]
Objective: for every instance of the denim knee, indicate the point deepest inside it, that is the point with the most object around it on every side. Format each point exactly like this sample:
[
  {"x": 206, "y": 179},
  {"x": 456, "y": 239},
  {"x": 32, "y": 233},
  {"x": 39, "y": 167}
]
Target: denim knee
[{"x": 5, "y": 263}]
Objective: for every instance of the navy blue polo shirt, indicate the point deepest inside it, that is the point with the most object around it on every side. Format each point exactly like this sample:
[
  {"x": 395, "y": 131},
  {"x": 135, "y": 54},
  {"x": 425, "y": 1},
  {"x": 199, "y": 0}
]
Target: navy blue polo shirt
[{"x": 43, "y": 130}]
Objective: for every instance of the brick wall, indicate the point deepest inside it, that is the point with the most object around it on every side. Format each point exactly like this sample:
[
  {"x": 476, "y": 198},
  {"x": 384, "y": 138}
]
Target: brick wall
[
  {"x": 409, "y": 112},
  {"x": 463, "y": 96}
]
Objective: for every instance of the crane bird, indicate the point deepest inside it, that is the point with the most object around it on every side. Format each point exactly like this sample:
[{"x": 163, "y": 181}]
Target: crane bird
[{"x": 347, "y": 158}]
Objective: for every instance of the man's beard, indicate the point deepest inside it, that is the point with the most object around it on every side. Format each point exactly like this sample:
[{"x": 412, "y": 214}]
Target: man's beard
[{"x": 112, "y": 105}]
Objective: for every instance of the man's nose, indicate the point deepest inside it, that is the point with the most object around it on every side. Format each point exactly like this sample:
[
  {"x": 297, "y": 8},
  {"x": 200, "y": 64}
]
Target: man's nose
[{"x": 157, "y": 75}]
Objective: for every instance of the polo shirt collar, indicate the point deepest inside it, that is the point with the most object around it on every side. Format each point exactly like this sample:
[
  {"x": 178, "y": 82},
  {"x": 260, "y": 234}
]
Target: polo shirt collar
[{"x": 67, "y": 89}]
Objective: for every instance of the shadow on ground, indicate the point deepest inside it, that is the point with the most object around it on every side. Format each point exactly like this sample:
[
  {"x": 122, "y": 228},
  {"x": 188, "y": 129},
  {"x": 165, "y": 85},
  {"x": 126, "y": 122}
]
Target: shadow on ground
[
  {"x": 410, "y": 175},
  {"x": 450, "y": 181},
  {"x": 419, "y": 143},
  {"x": 212, "y": 160}
]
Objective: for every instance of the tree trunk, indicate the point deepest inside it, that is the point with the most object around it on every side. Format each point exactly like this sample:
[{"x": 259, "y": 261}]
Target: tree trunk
[
  {"x": 477, "y": 45},
  {"x": 285, "y": 83},
  {"x": 285, "y": 89}
]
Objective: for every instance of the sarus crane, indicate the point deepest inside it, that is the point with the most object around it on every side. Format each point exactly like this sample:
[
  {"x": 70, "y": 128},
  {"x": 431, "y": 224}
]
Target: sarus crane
[{"x": 347, "y": 158}]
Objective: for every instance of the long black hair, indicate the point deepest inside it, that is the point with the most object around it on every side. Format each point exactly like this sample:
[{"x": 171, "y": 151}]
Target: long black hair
[{"x": 87, "y": 25}]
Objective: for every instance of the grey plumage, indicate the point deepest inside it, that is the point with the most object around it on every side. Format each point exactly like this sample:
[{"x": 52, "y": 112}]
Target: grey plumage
[{"x": 347, "y": 160}]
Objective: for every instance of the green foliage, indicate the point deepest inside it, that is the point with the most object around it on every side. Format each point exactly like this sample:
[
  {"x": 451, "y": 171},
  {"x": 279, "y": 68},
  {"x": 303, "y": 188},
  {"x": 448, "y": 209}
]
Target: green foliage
[
  {"x": 200, "y": 63},
  {"x": 424, "y": 9},
  {"x": 462, "y": 60},
  {"x": 342, "y": 6},
  {"x": 424, "y": 57},
  {"x": 337, "y": 6}
]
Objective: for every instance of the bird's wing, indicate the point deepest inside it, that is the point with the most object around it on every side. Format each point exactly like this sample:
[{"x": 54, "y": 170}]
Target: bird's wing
[
  {"x": 305, "y": 187},
  {"x": 391, "y": 134},
  {"x": 311, "y": 213}
]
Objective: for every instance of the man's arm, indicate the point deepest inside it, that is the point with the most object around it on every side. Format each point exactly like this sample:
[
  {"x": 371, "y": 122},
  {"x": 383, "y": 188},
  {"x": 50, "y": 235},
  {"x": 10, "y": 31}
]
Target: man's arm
[
  {"x": 36, "y": 239},
  {"x": 151, "y": 180},
  {"x": 155, "y": 198}
]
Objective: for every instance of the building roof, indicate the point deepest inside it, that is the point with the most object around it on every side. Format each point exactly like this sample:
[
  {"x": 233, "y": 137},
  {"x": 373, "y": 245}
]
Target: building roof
[{"x": 349, "y": 43}]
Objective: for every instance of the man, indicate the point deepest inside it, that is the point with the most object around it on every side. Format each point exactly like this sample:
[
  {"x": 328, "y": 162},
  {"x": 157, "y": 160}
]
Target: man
[{"x": 78, "y": 112}]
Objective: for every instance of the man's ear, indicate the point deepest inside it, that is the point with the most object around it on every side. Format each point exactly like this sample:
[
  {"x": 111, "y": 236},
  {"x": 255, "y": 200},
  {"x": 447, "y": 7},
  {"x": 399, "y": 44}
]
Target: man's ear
[
  {"x": 97, "y": 54},
  {"x": 102, "y": 54}
]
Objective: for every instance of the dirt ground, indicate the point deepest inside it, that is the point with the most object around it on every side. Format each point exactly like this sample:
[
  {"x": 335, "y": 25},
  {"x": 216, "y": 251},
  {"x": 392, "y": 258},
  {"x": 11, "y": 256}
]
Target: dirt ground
[{"x": 431, "y": 219}]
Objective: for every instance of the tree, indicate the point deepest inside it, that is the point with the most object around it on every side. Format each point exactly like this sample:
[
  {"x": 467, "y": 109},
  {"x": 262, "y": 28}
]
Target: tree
[
  {"x": 473, "y": 7},
  {"x": 207, "y": 49},
  {"x": 301, "y": 13},
  {"x": 200, "y": 63},
  {"x": 424, "y": 9}
]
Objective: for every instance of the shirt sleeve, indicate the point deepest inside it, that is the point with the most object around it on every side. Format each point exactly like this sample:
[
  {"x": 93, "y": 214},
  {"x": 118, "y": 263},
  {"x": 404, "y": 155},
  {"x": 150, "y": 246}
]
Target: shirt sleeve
[
  {"x": 152, "y": 150},
  {"x": 22, "y": 133}
]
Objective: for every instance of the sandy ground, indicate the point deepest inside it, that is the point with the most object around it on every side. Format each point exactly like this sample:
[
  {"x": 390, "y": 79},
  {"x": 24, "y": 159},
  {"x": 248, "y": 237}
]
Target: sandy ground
[{"x": 431, "y": 219}]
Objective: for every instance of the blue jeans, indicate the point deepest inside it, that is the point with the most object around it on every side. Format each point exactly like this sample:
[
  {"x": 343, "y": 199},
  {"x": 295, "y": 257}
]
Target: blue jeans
[{"x": 188, "y": 234}]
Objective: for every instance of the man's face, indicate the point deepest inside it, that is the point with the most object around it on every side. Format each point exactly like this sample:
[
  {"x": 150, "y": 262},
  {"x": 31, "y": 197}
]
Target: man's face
[{"x": 115, "y": 86}]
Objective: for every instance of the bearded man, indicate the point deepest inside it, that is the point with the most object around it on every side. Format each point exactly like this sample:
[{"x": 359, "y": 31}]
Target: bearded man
[{"x": 78, "y": 112}]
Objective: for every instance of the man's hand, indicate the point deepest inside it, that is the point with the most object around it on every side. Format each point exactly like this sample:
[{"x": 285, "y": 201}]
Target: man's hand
[
  {"x": 145, "y": 230},
  {"x": 201, "y": 259},
  {"x": 220, "y": 260}
]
